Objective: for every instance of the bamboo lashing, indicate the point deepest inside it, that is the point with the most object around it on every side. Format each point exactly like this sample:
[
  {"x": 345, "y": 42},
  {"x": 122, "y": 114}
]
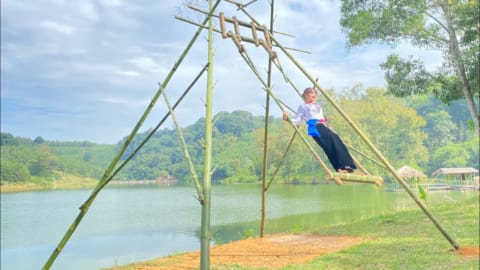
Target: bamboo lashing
[
  {"x": 236, "y": 28},
  {"x": 240, "y": 47},
  {"x": 268, "y": 41},
  {"x": 222, "y": 25},
  {"x": 253, "y": 26},
  {"x": 268, "y": 48}
]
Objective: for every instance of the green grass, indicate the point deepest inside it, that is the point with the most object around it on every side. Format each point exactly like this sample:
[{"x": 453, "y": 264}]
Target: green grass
[{"x": 405, "y": 240}]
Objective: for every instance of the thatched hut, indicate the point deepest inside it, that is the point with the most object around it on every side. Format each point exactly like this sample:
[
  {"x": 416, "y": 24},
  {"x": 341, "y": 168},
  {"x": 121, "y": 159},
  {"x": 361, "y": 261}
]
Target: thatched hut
[{"x": 410, "y": 173}]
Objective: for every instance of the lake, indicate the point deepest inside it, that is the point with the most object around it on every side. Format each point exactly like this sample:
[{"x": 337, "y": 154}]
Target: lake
[{"x": 127, "y": 224}]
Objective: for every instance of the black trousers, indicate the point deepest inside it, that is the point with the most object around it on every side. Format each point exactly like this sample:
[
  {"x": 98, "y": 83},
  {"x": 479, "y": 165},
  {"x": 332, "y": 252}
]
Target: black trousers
[{"x": 335, "y": 149}]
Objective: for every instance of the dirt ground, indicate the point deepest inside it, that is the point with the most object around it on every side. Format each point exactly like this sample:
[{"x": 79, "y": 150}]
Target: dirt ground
[
  {"x": 273, "y": 251},
  {"x": 270, "y": 252},
  {"x": 468, "y": 251}
]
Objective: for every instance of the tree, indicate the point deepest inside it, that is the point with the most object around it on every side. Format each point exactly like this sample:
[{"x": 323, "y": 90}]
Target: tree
[
  {"x": 13, "y": 171},
  {"x": 440, "y": 129},
  {"x": 450, "y": 26},
  {"x": 39, "y": 140},
  {"x": 44, "y": 162},
  {"x": 450, "y": 155},
  {"x": 7, "y": 139}
]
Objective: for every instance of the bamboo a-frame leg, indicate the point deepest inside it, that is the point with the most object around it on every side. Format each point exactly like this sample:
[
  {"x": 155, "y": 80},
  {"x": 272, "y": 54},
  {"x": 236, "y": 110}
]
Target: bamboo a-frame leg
[{"x": 107, "y": 176}]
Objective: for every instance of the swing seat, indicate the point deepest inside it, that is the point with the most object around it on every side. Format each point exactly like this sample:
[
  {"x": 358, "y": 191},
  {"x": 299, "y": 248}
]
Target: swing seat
[{"x": 352, "y": 177}]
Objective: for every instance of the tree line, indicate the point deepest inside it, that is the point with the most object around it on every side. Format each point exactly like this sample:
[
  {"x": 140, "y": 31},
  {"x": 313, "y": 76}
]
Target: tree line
[{"x": 418, "y": 131}]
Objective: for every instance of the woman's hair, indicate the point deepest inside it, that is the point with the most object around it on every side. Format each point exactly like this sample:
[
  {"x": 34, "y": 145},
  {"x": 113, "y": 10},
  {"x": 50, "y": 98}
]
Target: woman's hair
[{"x": 308, "y": 90}]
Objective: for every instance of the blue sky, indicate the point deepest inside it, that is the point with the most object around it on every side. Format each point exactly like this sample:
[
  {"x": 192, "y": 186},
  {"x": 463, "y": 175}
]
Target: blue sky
[{"x": 86, "y": 70}]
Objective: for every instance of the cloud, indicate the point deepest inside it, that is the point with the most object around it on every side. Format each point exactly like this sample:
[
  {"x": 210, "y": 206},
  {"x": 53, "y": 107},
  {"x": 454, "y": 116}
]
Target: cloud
[
  {"x": 86, "y": 70},
  {"x": 58, "y": 27}
]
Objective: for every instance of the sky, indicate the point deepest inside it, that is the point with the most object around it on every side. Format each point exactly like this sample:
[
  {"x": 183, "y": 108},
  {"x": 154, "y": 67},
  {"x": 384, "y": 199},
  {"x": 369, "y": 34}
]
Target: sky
[{"x": 87, "y": 70}]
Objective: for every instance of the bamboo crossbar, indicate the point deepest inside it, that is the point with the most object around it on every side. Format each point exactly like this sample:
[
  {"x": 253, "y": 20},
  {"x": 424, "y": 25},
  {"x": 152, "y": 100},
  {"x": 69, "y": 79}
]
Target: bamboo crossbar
[
  {"x": 240, "y": 23},
  {"x": 245, "y": 39}
]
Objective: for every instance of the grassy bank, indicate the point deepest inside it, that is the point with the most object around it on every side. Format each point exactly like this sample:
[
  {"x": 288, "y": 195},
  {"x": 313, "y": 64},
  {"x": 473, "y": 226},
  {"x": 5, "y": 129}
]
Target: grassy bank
[
  {"x": 403, "y": 240},
  {"x": 408, "y": 240},
  {"x": 62, "y": 181}
]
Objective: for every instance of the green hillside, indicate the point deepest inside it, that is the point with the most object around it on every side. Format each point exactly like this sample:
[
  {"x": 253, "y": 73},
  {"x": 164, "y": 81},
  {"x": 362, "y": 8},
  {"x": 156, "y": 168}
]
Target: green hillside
[{"x": 419, "y": 132}]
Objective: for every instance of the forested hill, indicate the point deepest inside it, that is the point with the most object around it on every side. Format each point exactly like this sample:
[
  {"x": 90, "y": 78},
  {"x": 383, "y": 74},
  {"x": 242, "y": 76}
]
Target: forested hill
[{"x": 419, "y": 132}]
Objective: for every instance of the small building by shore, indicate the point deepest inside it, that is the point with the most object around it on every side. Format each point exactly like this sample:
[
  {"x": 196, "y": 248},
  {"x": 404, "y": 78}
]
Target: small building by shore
[
  {"x": 457, "y": 177},
  {"x": 166, "y": 180}
]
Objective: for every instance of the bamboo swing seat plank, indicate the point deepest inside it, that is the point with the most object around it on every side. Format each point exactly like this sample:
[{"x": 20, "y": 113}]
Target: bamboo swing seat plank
[{"x": 358, "y": 178}]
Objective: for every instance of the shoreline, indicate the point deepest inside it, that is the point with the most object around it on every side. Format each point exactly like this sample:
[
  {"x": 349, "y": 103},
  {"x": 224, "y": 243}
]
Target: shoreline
[{"x": 77, "y": 183}]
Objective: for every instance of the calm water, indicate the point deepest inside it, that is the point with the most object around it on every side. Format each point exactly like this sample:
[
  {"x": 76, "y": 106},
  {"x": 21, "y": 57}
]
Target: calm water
[{"x": 129, "y": 224}]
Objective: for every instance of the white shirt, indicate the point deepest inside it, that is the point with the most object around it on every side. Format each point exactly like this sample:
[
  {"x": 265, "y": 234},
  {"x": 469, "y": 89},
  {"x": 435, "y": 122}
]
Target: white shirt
[{"x": 308, "y": 111}]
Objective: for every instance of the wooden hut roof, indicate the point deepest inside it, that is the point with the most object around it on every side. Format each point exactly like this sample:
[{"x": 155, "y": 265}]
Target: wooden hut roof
[
  {"x": 409, "y": 172},
  {"x": 454, "y": 171}
]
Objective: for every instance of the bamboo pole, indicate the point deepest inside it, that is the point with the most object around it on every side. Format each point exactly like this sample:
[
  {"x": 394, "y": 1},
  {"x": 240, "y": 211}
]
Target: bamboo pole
[
  {"x": 105, "y": 178},
  {"x": 361, "y": 167},
  {"x": 207, "y": 168},
  {"x": 152, "y": 132},
  {"x": 265, "y": 135},
  {"x": 366, "y": 156},
  {"x": 185, "y": 149},
  {"x": 281, "y": 160}
]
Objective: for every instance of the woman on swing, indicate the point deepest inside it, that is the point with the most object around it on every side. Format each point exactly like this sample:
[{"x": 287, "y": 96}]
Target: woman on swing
[{"x": 330, "y": 142}]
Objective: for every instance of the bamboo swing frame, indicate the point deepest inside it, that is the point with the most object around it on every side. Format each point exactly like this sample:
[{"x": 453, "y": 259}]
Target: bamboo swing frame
[
  {"x": 267, "y": 45},
  {"x": 372, "y": 147},
  {"x": 203, "y": 191}
]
